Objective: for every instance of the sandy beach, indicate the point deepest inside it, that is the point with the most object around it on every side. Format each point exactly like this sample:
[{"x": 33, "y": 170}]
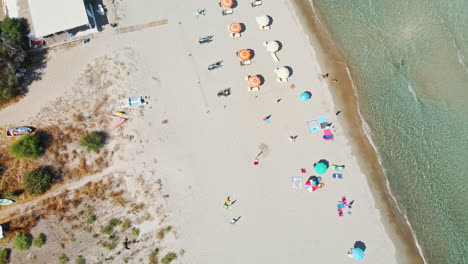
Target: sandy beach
[{"x": 202, "y": 147}]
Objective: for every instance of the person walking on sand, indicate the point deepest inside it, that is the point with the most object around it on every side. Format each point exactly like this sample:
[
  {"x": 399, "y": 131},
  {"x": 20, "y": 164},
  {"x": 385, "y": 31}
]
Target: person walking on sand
[
  {"x": 227, "y": 202},
  {"x": 292, "y": 139},
  {"x": 324, "y": 76}
]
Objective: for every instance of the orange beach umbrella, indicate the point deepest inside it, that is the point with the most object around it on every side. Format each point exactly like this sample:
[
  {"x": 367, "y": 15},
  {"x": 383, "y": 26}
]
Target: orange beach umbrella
[
  {"x": 235, "y": 27},
  {"x": 244, "y": 55},
  {"x": 254, "y": 81},
  {"x": 227, "y": 3}
]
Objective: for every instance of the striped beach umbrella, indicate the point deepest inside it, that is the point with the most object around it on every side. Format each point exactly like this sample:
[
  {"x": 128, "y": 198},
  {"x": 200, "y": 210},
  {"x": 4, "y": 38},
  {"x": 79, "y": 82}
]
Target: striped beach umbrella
[
  {"x": 235, "y": 27},
  {"x": 244, "y": 55}
]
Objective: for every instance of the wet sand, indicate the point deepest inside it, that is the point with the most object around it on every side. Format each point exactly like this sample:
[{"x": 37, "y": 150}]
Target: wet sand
[{"x": 330, "y": 58}]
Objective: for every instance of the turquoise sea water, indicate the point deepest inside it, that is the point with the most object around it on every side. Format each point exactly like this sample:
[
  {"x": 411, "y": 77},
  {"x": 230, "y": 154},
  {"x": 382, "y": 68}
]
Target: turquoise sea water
[{"x": 409, "y": 61}]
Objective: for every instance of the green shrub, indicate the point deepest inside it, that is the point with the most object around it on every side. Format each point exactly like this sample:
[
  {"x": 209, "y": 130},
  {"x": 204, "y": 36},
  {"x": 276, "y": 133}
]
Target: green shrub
[
  {"x": 135, "y": 231},
  {"x": 91, "y": 219},
  {"x": 126, "y": 224},
  {"x": 169, "y": 258},
  {"x": 13, "y": 29},
  {"x": 107, "y": 229},
  {"x": 114, "y": 222},
  {"x": 63, "y": 259},
  {"x": 153, "y": 257},
  {"x": 80, "y": 260},
  {"x": 38, "y": 181},
  {"x": 109, "y": 246},
  {"x": 23, "y": 242},
  {"x": 4, "y": 256},
  {"x": 88, "y": 229},
  {"x": 39, "y": 240},
  {"x": 113, "y": 237},
  {"x": 93, "y": 141},
  {"x": 27, "y": 146}
]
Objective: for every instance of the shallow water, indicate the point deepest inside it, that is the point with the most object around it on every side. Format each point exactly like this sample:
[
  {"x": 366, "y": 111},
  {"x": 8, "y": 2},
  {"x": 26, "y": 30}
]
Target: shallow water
[{"x": 409, "y": 60}]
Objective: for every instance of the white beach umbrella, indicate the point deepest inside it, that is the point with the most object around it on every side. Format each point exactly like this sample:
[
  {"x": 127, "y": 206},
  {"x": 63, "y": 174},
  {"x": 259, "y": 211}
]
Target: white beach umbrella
[
  {"x": 272, "y": 46},
  {"x": 263, "y": 21},
  {"x": 282, "y": 72}
]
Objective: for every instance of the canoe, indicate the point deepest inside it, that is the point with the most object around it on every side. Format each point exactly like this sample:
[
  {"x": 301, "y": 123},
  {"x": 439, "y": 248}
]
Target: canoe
[
  {"x": 5, "y": 201},
  {"x": 19, "y": 131}
]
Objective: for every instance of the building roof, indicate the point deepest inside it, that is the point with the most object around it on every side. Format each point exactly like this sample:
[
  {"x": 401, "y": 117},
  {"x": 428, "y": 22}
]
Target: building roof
[{"x": 51, "y": 16}]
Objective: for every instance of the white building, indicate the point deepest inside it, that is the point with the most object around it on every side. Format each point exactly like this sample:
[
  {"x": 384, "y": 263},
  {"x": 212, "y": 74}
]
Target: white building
[{"x": 53, "y": 16}]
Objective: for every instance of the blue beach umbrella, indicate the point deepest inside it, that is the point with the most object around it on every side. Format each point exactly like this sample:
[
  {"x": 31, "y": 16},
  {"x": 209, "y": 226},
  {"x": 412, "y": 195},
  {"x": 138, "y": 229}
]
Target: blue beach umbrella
[
  {"x": 305, "y": 96},
  {"x": 321, "y": 167},
  {"x": 358, "y": 254}
]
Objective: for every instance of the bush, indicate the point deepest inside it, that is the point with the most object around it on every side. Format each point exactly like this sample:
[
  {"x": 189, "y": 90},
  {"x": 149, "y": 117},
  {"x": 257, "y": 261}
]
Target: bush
[
  {"x": 135, "y": 231},
  {"x": 27, "y": 146},
  {"x": 114, "y": 222},
  {"x": 126, "y": 224},
  {"x": 23, "y": 242},
  {"x": 4, "y": 256},
  {"x": 107, "y": 229},
  {"x": 39, "y": 241},
  {"x": 169, "y": 258},
  {"x": 63, "y": 259},
  {"x": 153, "y": 257},
  {"x": 109, "y": 246},
  {"x": 38, "y": 181},
  {"x": 91, "y": 219},
  {"x": 80, "y": 260},
  {"x": 93, "y": 141}
]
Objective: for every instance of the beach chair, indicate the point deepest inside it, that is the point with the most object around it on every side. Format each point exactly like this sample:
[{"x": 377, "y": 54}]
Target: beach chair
[
  {"x": 247, "y": 62},
  {"x": 296, "y": 182},
  {"x": 253, "y": 89},
  {"x": 235, "y": 35},
  {"x": 337, "y": 176},
  {"x": 256, "y": 3},
  {"x": 275, "y": 58},
  {"x": 338, "y": 167},
  {"x": 227, "y": 12}
]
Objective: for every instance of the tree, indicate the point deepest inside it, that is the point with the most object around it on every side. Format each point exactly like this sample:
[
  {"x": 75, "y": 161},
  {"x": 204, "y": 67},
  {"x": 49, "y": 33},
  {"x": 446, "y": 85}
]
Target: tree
[
  {"x": 12, "y": 29},
  {"x": 28, "y": 146},
  {"x": 38, "y": 181},
  {"x": 93, "y": 141},
  {"x": 11, "y": 59},
  {"x": 23, "y": 242}
]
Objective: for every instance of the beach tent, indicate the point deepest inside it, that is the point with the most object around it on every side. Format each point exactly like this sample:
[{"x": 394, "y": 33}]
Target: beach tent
[
  {"x": 254, "y": 81},
  {"x": 357, "y": 254},
  {"x": 235, "y": 27},
  {"x": 321, "y": 167},
  {"x": 305, "y": 96},
  {"x": 227, "y": 3},
  {"x": 244, "y": 55},
  {"x": 263, "y": 21},
  {"x": 272, "y": 46}
]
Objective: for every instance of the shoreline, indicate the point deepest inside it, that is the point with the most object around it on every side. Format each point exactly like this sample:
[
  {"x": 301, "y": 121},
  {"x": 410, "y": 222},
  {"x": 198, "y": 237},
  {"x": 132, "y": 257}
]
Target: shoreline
[{"x": 395, "y": 223}]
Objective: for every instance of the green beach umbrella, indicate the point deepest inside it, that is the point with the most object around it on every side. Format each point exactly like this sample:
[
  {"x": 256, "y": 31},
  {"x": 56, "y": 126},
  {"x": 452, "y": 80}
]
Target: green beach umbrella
[{"x": 321, "y": 167}]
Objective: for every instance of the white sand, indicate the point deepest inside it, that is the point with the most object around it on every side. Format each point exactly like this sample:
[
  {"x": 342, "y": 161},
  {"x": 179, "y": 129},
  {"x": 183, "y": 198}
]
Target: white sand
[{"x": 204, "y": 157}]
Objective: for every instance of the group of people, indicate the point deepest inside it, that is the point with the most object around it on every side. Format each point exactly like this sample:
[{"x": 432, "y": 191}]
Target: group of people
[{"x": 227, "y": 204}]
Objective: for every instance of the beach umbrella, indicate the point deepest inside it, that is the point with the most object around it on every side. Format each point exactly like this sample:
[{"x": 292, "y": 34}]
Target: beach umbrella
[
  {"x": 262, "y": 21},
  {"x": 321, "y": 168},
  {"x": 305, "y": 96},
  {"x": 254, "y": 81},
  {"x": 282, "y": 72},
  {"x": 357, "y": 253},
  {"x": 227, "y": 3},
  {"x": 309, "y": 186},
  {"x": 244, "y": 55},
  {"x": 272, "y": 46},
  {"x": 235, "y": 27}
]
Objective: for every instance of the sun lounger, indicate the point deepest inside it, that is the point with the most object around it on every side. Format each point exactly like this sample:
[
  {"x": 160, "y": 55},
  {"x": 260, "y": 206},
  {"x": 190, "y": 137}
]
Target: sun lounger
[
  {"x": 338, "y": 167},
  {"x": 247, "y": 62},
  {"x": 256, "y": 3},
  {"x": 275, "y": 58},
  {"x": 337, "y": 176},
  {"x": 265, "y": 27},
  {"x": 327, "y": 135},
  {"x": 227, "y": 12},
  {"x": 296, "y": 182},
  {"x": 253, "y": 88},
  {"x": 282, "y": 80},
  {"x": 235, "y": 35}
]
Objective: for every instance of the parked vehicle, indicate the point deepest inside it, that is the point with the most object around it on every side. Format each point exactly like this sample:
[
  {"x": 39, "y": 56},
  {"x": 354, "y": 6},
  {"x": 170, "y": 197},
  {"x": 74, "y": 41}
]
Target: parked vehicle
[{"x": 19, "y": 131}]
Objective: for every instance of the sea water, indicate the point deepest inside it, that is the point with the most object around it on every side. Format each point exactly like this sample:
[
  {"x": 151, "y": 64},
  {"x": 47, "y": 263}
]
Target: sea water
[{"x": 409, "y": 61}]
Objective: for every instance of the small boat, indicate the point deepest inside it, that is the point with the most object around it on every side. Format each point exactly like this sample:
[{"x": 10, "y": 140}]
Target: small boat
[
  {"x": 6, "y": 201},
  {"x": 19, "y": 131}
]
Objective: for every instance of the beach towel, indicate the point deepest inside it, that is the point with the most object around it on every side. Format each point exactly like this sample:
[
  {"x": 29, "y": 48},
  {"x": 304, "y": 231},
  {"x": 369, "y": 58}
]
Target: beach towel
[
  {"x": 313, "y": 126},
  {"x": 296, "y": 182},
  {"x": 327, "y": 135},
  {"x": 340, "y": 212}
]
